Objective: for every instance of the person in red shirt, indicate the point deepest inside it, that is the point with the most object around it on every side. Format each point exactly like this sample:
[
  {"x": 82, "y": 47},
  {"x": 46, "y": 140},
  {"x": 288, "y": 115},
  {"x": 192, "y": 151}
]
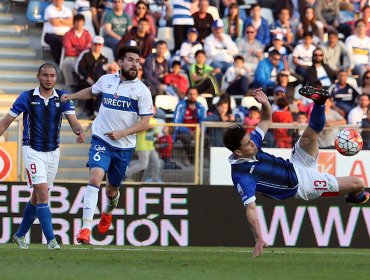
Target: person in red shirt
[
  {"x": 283, "y": 139},
  {"x": 164, "y": 146},
  {"x": 177, "y": 83},
  {"x": 75, "y": 41}
]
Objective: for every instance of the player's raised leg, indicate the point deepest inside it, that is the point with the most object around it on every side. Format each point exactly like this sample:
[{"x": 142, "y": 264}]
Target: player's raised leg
[{"x": 90, "y": 202}]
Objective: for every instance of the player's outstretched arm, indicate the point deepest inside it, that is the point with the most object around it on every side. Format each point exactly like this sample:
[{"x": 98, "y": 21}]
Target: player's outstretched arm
[
  {"x": 252, "y": 217},
  {"x": 141, "y": 125},
  {"x": 80, "y": 95},
  {"x": 5, "y": 122},
  {"x": 266, "y": 111},
  {"x": 76, "y": 127}
]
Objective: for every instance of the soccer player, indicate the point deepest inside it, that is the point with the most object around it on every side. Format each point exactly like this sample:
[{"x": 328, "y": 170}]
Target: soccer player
[
  {"x": 254, "y": 170},
  {"x": 125, "y": 110},
  {"x": 42, "y": 117}
]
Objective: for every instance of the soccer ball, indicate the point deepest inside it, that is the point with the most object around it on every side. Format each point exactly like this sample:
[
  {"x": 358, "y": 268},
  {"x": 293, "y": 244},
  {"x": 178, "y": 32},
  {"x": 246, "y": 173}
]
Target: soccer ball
[{"x": 348, "y": 142}]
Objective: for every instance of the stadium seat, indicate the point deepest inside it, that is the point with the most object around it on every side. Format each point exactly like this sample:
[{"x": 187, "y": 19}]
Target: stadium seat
[
  {"x": 44, "y": 45},
  {"x": 214, "y": 12},
  {"x": 232, "y": 101},
  {"x": 108, "y": 53},
  {"x": 35, "y": 11},
  {"x": 166, "y": 34},
  {"x": 249, "y": 101},
  {"x": 202, "y": 100},
  {"x": 166, "y": 102}
]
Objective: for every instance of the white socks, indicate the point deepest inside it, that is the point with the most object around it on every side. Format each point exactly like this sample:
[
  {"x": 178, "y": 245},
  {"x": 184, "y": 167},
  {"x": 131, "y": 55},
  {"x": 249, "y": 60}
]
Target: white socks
[
  {"x": 90, "y": 201},
  {"x": 111, "y": 204}
]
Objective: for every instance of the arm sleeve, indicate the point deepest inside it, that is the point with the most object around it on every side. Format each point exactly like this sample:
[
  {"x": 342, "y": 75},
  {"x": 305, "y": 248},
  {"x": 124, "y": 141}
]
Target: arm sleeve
[
  {"x": 19, "y": 106},
  {"x": 97, "y": 87},
  {"x": 246, "y": 188},
  {"x": 257, "y": 136},
  {"x": 145, "y": 103}
]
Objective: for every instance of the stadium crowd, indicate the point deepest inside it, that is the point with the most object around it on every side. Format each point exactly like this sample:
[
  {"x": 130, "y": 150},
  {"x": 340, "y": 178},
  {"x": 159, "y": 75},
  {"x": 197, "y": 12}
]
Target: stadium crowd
[{"x": 218, "y": 52}]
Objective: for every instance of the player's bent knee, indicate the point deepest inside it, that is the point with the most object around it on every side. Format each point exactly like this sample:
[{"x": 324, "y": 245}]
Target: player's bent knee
[{"x": 358, "y": 184}]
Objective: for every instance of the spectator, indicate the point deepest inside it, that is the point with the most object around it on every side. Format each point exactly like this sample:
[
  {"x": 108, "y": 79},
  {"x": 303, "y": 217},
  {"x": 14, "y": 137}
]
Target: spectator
[
  {"x": 203, "y": 20},
  {"x": 283, "y": 138},
  {"x": 202, "y": 75},
  {"x": 147, "y": 155},
  {"x": 142, "y": 11},
  {"x": 365, "y": 88},
  {"x": 278, "y": 44},
  {"x": 177, "y": 83},
  {"x": 343, "y": 94},
  {"x": 223, "y": 113},
  {"x": 188, "y": 111},
  {"x": 219, "y": 47},
  {"x": 83, "y": 7},
  {"x": 181, "y": 20},
  {"x": 366, "y": 131},
  {"x": 302, "y": 54},
  {"x": 319, "y": 70},
  {"x": 236, "y": 80},
  {"x": 333, "y": 119},
  {"x": 164, "y": 145},
  {"x": 359, "y": 113},
  {"x": 233, "y": 23},
  {"x": 289, "y": 86},
  {"x": 328, "y": 12},
  {"x": 253, "y": 118},
  {"x": 97, "y": 10},
  {"x": 284, "y": 27},
  {"x": 155, "y": 67},
  {"x": 311, "y": 24},
  {"x": 250, "y": 48},
  {"x": 75, "y": 41},
  {"x": 267, "y": 70},
  {"x": 140, "y": 34},
  {"x": 300, "y": 120},
  {"x": 358, "y": 46},
  {"x": 336, "y": 53},
  {"x": 116, "y": 23},
  {"x": 278, "y": 92},
  {"x": 189, "y": 48},
  {"x": 113, "y": 68},
  {"x": 58, "y": 21},
  {"x": 259, "y": 23},
  {"x": 90, "y": 67}
]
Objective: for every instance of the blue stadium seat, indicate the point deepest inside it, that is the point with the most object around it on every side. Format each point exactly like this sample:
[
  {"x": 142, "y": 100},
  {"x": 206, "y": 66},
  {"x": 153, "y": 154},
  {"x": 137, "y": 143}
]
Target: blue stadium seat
[{"x": 35, "y": 10}]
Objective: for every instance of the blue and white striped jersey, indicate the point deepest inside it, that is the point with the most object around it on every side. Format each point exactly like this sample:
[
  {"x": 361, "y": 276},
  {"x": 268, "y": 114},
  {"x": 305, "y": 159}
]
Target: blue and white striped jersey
[
  {"x": 272, "y": 176},
  {"x": 42, "y": 118},
  {"x": 181, "y": 12}
]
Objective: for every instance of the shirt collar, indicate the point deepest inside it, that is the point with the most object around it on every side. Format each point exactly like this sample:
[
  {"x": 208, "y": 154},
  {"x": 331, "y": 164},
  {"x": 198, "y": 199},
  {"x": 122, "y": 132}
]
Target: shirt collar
[
  {"x": 234, "y": 160},
  {"x": 37, "y": 93}
]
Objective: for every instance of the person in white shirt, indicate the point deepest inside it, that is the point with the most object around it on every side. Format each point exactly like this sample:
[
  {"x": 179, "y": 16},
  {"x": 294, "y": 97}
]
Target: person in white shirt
[
  {"x": 219, "y": 47},
  {"x": 189, "y": 48},
  {"x": 302, "y": 54},
  {"x": 58, "y": 21},
  {"x": 358, "y": 46},
  {"x": 125, "y": 110},
  {"x": 357, "y": 114}
]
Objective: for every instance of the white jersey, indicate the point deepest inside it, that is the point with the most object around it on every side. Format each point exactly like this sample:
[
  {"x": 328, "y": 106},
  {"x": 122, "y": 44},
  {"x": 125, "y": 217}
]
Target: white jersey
[{"x": 123, "y": 102}]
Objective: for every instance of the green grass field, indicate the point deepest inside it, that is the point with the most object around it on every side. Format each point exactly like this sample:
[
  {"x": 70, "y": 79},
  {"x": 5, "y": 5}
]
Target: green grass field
[{"x": 113, "y": 262}]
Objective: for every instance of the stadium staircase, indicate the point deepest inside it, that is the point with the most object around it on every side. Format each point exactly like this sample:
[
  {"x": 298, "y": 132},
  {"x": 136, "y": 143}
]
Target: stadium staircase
[{"x": 20, "y": 57}]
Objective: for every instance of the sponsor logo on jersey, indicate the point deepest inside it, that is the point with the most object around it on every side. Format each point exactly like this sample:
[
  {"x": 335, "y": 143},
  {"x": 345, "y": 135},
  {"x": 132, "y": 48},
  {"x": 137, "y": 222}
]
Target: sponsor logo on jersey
[
  {"x": 240, "y": 189},
  {"x": 57, "y": 104},
  {"x": 99, "y": 148},
  {"x": 35, "y": 103},
  {"x": 116, "y": 102},
  {"x": 252, "y": 169}
]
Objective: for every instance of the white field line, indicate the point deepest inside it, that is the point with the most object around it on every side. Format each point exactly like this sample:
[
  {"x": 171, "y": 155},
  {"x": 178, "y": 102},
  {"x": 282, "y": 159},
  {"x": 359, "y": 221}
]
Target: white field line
[{"x": 267, "y": 251}]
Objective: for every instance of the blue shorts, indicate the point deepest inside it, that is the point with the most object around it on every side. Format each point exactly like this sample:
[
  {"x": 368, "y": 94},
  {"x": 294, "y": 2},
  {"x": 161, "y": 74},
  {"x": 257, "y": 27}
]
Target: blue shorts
[{"x": 112, "y": 160}]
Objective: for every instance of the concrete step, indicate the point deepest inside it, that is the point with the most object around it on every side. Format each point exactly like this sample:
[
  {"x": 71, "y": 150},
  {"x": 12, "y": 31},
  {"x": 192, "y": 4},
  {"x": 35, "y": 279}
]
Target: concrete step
[
  {"x": 17, "y": 53},
  {"x": 73, "y": 162},
  {"x": 18, "y": 87},
  {"x": 18, "y": 76},
  {"x": 14, "y": 87},
  {"x": 68, "y": 149},
  {"x": 11, "y": 29},
  {"x": 21, "y": 65},
  {"x": 6, "y": 18},
  {"x": 14, "y": 42}
]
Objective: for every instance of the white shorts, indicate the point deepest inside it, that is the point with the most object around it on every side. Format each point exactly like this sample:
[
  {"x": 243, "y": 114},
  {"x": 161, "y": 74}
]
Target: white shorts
[
  {"x": 41, "y": 167},
  {"x": 311, "y": 183}
]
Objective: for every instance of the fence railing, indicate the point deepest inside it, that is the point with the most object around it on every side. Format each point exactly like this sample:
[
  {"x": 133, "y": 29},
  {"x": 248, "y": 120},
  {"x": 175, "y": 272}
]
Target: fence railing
[{"x": 187, "y": 163}]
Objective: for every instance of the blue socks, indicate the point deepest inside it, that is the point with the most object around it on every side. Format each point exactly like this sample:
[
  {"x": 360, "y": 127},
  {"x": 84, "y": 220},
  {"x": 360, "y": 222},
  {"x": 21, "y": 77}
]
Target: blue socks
[
  {"x": 317, "y": 118},
  {"x": 29, "y": 216},
  {"x": 44, "y": 215}
]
